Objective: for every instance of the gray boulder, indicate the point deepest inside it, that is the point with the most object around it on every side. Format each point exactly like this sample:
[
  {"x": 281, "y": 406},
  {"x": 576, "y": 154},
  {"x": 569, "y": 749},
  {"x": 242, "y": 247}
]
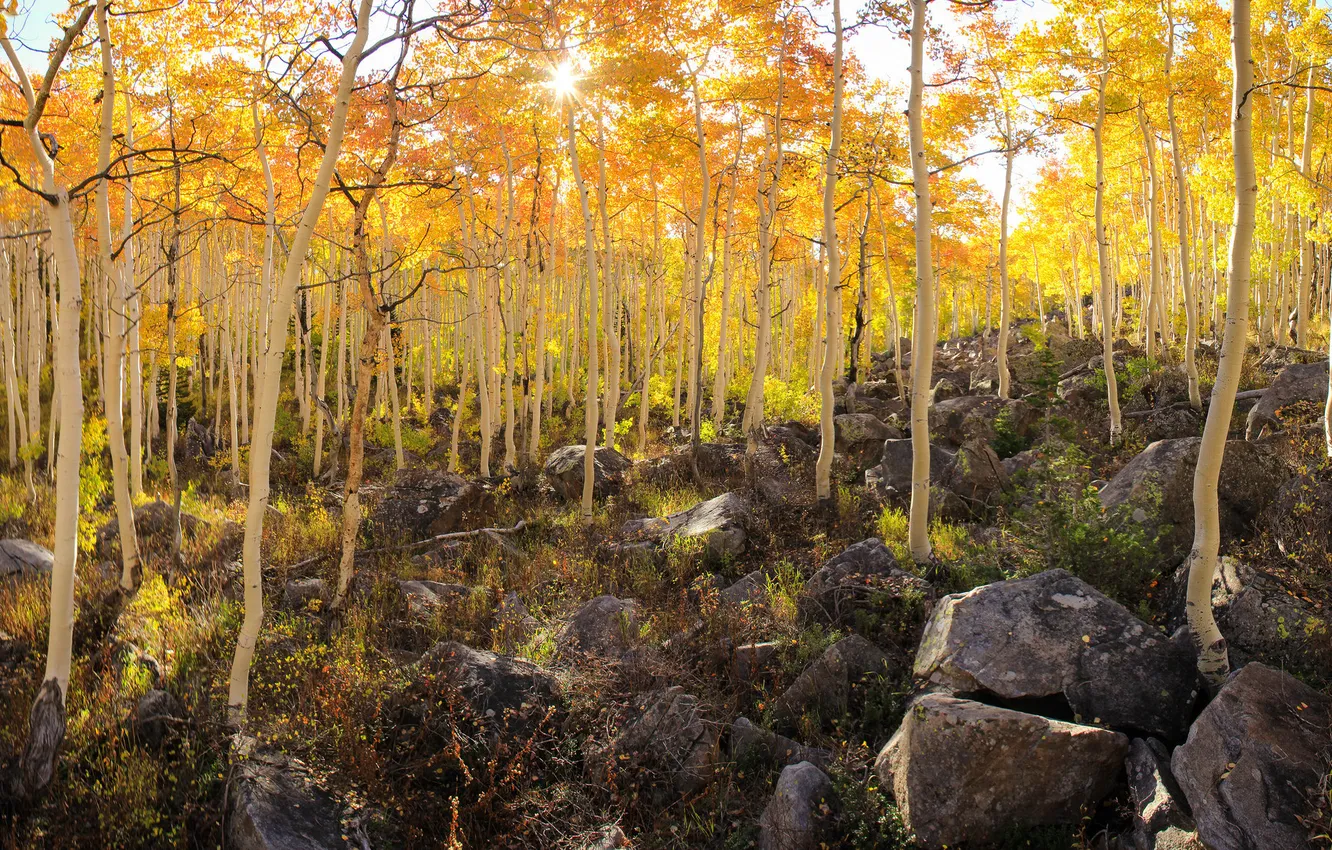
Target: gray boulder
[
  {"x": 154, "y": 525},
  {"x": 605, "y": 626},
  {"x": 752, "y": 661},
  {"x": 892, "y": 477},
  {"x": 425, "y": 502},
  {"x": 1157, "y": 486},
  {"x": 799, "y": 816},
  {"x": 832, "y": 683},
  {"x": 507, "y": 694},
  {"x": 564, "y": 469},
  {"x": 157, "y": 716},
  {"x": 299, "y": 593},
  {"x": 858, "y": 577},
  {"x": 973, "y": 417},
  {"x": 19, "y": 558},
  {"x": 1296, "y": 382},
  {"x": 975, "y": 476},
  {"x": 1255, "y": 760},
  {"x": 944, "y": 390},
  {"x": 272, "y": 806},
  {"x": 1055, "y": 635},
  {"x": 962, "y": 771},
  {"x": 859, "y": 436},
  {"x": 720, "y": 522},
  {"x": 746, "y": 590}
]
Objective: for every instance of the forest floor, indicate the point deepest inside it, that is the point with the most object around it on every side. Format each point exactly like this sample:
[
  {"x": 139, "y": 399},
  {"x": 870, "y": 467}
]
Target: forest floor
[{"x": 406, "y": 765}]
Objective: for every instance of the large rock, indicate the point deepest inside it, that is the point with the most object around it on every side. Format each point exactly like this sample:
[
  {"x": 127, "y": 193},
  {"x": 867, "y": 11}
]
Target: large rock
[
  {"x": 1297, "y": 382},
  {"x": 158, "y": 716},
  {"x": 424, "y": 597},
  {"x": 962, "y": 771},
  {"x": 1157, "y": 487},
  {"x": 1054, "y": 635},
  {"x": 274, "y": 807},
  {"x": 1255, "y": 761},
  {"x": 975, "y": 476},
  {"x": 668, "y": 750},
  {"x": 564, "y": 470},
  {"x": 605, "y": 626},
  {"x": 860, "y": 437},
  {"x": 829, "y": 687},
  {"x": 154, "y": 525},
  {"x": 1160, "y": 815},
  {"x": 865, "y": 574},
  {"x": 425, "y": 502},
  {"x": 973, "y": 417},
  {"x": 21, "y": 558},
  {"x": 800, "y": 814},
  {"x": 720, "y": 522},
  {"x": 892, "y": 477},
  {"x": 511, "y": 695}
]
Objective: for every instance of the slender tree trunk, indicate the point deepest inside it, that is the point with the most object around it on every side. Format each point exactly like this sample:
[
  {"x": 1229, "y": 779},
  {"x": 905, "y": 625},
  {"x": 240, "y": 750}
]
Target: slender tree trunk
[
  {"x": 1213, "y": 660},
  {"x": 1182, "y": 226},
  {"x": 1103, "y": 249},
  {"x": 833, "y": 337},
  {"x": 1001, "y": 355},
  {"x": 590, "y": 396},
  {"x": 922, "y": 347},
  {"x": 265, "y": 411}
]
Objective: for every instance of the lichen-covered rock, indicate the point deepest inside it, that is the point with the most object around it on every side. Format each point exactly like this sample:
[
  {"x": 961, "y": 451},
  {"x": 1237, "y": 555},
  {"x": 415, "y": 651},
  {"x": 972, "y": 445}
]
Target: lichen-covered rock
[
  {"x": 860, "y": 437},
  {"x": 21, "y": 558},
  {"x": 975, "y": 476},
  {"x": 1296, "y": 382},
  {"x": 944, "y": 390},
  {"x": 425, "y": 502},
  {"x": 1053, "y": 635},
  {"x": 800, "y": 814},
  {"x": 891, "y": 478},
  {"x": 1157, "y": 487},
  {"x": 564, "y": 470},
  {"x": 605, "y": 626},
  {"x": 962, "y": 771},
  {"x": 1255, "y": 761},
  {"x": 719, "y": 522},
  {"x": 828, "y": 688}
]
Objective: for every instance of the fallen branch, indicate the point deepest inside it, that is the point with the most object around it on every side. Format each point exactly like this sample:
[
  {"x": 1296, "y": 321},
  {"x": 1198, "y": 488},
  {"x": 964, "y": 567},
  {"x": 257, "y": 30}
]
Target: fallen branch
[
  {"x": 438, "y": 538},
  {"x": 1247, "y": 395}
]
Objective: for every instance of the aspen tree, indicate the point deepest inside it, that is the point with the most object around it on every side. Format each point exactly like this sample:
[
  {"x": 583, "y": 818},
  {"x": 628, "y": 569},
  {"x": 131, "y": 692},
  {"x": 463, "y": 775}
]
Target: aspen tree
[
  {"x": 46, "y": 721},
  {"x": 1182, "y": 223},
  {"x": 1213, "y": 660},
  {"x": 1103, "y": 246},
  {"x": 114, "y": 350},
  {"x": 590, "y": 417},
  {"x": 832, "y": 303},
  {"x": 266, "y": 395},
  {"x": 923, "y": 331}
]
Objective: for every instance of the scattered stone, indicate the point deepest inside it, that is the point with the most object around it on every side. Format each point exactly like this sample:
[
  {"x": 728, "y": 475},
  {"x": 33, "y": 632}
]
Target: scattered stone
[
  {"x": 1080, "y": 389},
  {"x": 747, "y": 590},
  {"x": 21, "y": 558},
  {"x": 672, "y": 747},
  {"x": 424, "y": 597},
  {"x": 799, "y": 815},
  {"x": 752, "y": 661},
  {"x": 425, "y": 502},
  {"x": 605, "y": 626},
  {"x": 945, "y": 390},
  {"x": 832, "y": 683},
  {"x": 1159, "y": 484},
  {"x": 1295, "y": 383},
  {"x": 157, "y": 717},
  {"x": 720, "y": 522},
  {"x": 860, "y": 437},
  {"x": 750, "y": 741},
  {"x": 564, "y": 469},
  {"x": 1053, "y": 635},
  {"x": 300, "y": 593},
  {"x": 962, "y": 771},
  {"x": 976, "y": 475},
  {"x": 1160, "y": 815},
  {"x": 1172, "y": 423},
  {"x": 1254, "y": 761}
]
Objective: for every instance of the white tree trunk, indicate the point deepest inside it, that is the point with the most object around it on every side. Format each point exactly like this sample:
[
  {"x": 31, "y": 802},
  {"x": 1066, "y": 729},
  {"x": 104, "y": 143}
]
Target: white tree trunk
[{"x": 832, "y": 301}]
